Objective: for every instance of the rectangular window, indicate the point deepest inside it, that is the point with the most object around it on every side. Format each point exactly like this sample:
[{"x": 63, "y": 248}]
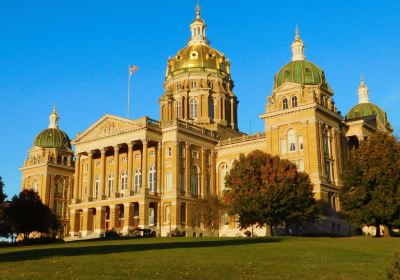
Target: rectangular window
[
  {"x": 328, "y": 170},
  {"x": 98, "y": 164},
  {"x": 283, "y": 146},
  {"x": 168, "y": 180},
  {"x": 86, "y": 168},
  {"x": 182, "y": 151},
  {"x": 137, "y": 156},
  {"x": 301, "y": 165},
  {"x": 182, "y": 181},
  {"x": 169, "y": 152},
  {"x": 111, "y": 161},
  {"x": 124, "y": 159},
  {"x": 195, "y": 154},
  {"x": 151, "y": 154},
  {"x": 208, "y": 185}
]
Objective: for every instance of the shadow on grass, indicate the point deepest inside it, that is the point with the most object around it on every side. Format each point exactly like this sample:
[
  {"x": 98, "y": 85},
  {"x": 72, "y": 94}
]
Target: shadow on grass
[{"x": 42, "y": 253}]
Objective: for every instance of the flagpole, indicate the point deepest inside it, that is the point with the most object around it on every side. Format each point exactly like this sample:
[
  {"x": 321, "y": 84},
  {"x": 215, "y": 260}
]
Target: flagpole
[{"x": 129, "y": 91}]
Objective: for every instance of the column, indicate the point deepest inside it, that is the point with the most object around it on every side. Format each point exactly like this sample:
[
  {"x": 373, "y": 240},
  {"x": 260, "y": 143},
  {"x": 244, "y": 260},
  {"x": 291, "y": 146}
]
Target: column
[
  {"x": 143, "y": 215},
  {"x": 103, "y": 174},
  {"x": 87, "y": 221},
  {"x": 128, "y": 218},
  {"x": 159, "y": 218},
  {"x": 213, "y": 179},
  {"x": 187, "y": 168},
  {"x": 177, "y": 167},
  {"x": 100, "y": 220},
  {"x": 90, "y": 180},
  {"x": 203, "y": 172},
  {"x": 130, "y": 165},
  {"x": 144, "y": 166},
  {"x": 158, "y": 168},
  {"x": 334, "y": 157},
  {"x": 232, "y": 114},
  {"x": 116, "y": 170}
]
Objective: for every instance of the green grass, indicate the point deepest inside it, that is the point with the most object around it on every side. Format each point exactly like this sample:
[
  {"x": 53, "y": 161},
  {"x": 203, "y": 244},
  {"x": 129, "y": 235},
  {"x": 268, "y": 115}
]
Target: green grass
[{"x": 203, "y": 258}]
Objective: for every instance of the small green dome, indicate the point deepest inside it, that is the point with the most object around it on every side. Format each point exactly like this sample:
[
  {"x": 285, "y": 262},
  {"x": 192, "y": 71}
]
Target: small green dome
[
  {"x": 368, "y": 109},
  {"x": 52, "y": 138},
  {"x": 300, "y": 72}
]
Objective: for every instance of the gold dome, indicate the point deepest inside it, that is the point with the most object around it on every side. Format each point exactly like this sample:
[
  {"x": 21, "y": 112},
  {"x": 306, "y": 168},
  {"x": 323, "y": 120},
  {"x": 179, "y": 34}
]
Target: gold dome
[{"x": 198, "y": 57}]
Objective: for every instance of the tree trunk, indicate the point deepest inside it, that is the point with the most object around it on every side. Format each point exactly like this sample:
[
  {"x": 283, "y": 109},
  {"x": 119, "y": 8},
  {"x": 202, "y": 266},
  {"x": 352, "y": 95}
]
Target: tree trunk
[
  {"x": 378, "y": 230},
  {"x": 268, "y": 230},
  {"x": 386, "y": 231}
]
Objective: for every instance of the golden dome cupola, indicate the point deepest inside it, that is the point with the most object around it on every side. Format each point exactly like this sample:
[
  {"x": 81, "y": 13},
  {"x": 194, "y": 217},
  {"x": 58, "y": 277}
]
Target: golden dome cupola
[{"x": 198, "y": 29}]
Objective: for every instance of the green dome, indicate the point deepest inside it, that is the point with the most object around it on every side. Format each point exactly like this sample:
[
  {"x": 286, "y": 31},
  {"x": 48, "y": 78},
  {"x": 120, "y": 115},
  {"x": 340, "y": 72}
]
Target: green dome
[
  {"x": 52, "y": 138},
  {"x": 300, "y": 72},
  {"x": 368, "y": 109}
]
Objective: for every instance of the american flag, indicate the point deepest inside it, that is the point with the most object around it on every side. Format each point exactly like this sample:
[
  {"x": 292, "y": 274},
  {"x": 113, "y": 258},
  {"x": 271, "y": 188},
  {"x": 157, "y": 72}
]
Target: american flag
[{"x": 132, "y": 69}]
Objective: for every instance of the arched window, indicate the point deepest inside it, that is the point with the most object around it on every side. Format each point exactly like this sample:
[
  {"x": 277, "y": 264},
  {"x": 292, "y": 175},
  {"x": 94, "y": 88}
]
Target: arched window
[
  {"x": 35, "y": 186},
  {"x": 194, "y": 181},
  {"x": 124, "y": 180},
  {"x": 59, "y": 189},
  {"x": 193, "y": 108},
  {"x": 178, "y": 109},
  {"x": 96, "y": 186},
  {"x": 325, "y": 142},
  {"x": 194, "y": 84},
  {"x": 152, "y": 178},
  {"x": 110, "y": 184},
  {"x": 292, "y": 140},
  {"x": 284, "y": 103},
  {"x": 294, "y": 101},
  {"x": 167, "y": 214},
  {"x": 211, "y": 108},
  {"x": 223, "y": 170},
  {"x": 151, "y": 216},
  {"x": 168, "y": 180},
  {"x": 183, "y": 212},
  {"x": 137, "y": 179}
]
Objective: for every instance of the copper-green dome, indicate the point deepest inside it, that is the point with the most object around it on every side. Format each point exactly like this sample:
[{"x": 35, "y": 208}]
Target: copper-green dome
[
  {"x": 300, "y": 72},
  {"x": 368, "y": 109},
  {"x": 52, "y": 138}
]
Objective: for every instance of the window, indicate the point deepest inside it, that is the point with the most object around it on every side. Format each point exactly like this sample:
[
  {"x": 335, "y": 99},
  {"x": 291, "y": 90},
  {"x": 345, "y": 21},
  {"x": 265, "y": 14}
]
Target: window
[
  {"x": 294, "y": 101},
  {"x": 151, "y": 154},
  {"x": 194, "y": 181},
  {"x": 59, "y": 189},
  {"x": 178, "y": 109},
  {"x": 211, "y": 108},
  {"x": 111, "y": 161},
  {"x": 168, "y": 180},
  {"x": 182, "y": 181},
  {"x": 195, "y": 154},
  {"x": 325, "y": 142},
  {"x": 35, "y": 186},
  {"x": 183, "y": 213},
  {"x": 208, "y": 181},
  {"x": 283, "y": 146},
  {"x": 168, "y": 214},
  {"x": 96, "y": 186},
  {"x": 151, "y": 216},
  {"x": 178, "y": 86},
  {"x": 98, "y": 164},
  {"x": 137, "y": 156},
  {"x": 182, "y": 147},
  {"x": 123, "y": 159},
  {"x": 193, "y": 108},
  {"x": 208, "y": 159},
  {"x": 292, "y": 140},
  {"x": 212, "y": 85},
  {"x": 137, "y": 179},
  {"x": 284, "y": 104},
  {"x": 301, "y": 165},
  {"x": 194, "y": 84},
  {"x": 328, "y": 170},
  {"x": 300, "y": 142},
  {"x": 85, "y": 168},
  {"x": 124, "y": 180},
  {"x": 152, "y": 178},
  {"x": 110, "y": 184},
  {"x": 222, "y": 173},
  {"x": 169, "y": 151}
]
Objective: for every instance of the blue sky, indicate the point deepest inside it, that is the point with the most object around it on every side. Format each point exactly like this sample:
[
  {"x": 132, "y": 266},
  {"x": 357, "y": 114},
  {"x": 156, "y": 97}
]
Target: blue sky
[{"x": 76, "y": 53}]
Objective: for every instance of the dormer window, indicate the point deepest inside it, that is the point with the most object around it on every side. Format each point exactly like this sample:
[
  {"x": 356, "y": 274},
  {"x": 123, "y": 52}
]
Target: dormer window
[
  {"x": 284, "y": 103},
  {"x": 294, "y": 101},
  {"x": 194, "y": 84}
]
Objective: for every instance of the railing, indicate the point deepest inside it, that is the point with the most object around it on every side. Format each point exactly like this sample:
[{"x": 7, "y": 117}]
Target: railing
[{"x": 242, "y": 138}]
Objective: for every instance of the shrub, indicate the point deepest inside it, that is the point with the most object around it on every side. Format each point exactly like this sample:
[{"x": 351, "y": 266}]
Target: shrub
[
  {"x": 112, "y": 234},
  {"x": 393, "y": 272},
  {"x": 177, "y": 233},
  {"x": 247, "y": 233}
]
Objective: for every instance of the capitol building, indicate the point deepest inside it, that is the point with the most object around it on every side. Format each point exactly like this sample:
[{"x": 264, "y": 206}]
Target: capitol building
[{"x": 127, "y": 173}]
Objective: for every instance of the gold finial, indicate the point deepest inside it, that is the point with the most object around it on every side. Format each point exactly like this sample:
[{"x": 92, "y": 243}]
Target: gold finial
[
  {"x": 54, "y": 108},
  {"x": 362, "y": 82},
  {"x": 198, "y": 9}
]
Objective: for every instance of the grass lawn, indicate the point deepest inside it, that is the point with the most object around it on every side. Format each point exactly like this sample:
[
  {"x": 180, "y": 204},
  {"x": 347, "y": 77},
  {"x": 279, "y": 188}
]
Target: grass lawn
[{"x": 203, "y": 258}]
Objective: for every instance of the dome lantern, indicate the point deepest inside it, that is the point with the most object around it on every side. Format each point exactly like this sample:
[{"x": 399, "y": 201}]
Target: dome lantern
[
  {"x": 198, "y": 29},
  {"x": 297, "y": 47},
  {"x": 53, "y": 118},
  {"x": 363, "y": 92}
]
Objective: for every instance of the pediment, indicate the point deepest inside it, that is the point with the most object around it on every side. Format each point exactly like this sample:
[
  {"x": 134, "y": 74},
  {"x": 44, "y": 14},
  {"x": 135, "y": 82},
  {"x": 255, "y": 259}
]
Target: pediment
[
  {"x": 287, "y": 87},
  {"x": 107, "y": 126}
]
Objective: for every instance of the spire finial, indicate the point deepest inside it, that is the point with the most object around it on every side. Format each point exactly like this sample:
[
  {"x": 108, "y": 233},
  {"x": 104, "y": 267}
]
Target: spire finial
[
  {"x": 53, "y": 118},
  {"x": 198, "y": 10},
  {"x": 297, "y": 47},
  {"x": 363, "y": 92}
]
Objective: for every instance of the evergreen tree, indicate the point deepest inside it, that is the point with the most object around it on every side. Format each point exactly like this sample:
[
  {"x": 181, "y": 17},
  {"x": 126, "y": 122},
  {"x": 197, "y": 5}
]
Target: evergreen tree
[
  {"x": 266, "y": 190},
  {"x": 371, "y": 186}
]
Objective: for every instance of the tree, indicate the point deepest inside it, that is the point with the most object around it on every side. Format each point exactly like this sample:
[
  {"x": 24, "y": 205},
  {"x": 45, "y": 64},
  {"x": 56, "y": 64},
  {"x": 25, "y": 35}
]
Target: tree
[
  {"x": 266, "y": 190},
  {"x": 4, "y": 227},
  {"x": 208, "y": 212},
  {"x": 26, "y": 214},
  {"x": 371, "y": 183}
]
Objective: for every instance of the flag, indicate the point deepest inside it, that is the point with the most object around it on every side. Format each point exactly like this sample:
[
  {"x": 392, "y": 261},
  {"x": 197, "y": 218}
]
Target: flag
[{"x": 132, "y": 69}]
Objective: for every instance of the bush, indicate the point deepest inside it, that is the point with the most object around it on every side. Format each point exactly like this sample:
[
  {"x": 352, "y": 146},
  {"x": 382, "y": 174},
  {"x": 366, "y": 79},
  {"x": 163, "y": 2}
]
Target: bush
[
  {"x": 393, "y": 272},
  {"x": 112, "y": 234},
  {"x": 247, "y": 233},
  {"x": 177, "y": 233}
]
